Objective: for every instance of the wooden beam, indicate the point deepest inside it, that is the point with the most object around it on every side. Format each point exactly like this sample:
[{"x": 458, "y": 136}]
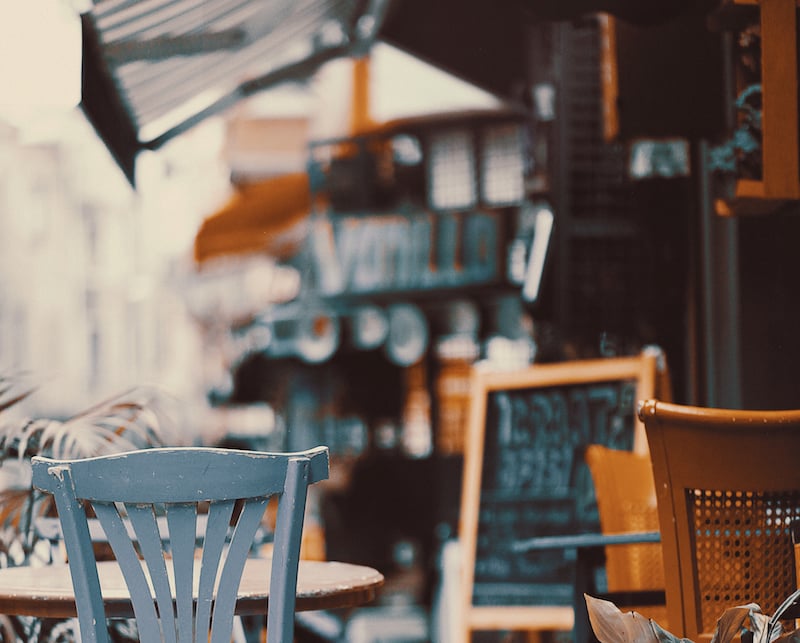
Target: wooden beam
[{"x": 781, "y": 169}]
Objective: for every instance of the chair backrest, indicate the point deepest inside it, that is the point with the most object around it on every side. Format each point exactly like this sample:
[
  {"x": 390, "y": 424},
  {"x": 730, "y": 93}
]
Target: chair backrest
[
  {"x": 130, "y": 493},
  {"x": 728, "y": 486},
  {"x": 626, "y": 501}
]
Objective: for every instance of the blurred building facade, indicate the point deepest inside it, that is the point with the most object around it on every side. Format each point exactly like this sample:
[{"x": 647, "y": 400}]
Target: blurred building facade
[{"x": 91, "y": 270}]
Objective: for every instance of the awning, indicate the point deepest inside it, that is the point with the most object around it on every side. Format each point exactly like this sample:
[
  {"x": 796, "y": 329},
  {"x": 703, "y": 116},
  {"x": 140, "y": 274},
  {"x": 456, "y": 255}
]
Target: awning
[
  {"x": 154, "y": 68},
  {"x": 268, "y": 217}
]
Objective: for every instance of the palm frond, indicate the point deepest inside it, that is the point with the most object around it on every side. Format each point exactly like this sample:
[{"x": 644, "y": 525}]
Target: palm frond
[
  {"x": 135, "y": 419},
  {"x": 13, "y": 503},
  {"x": 140, "y": 415},
  {"x": 14, "y": 388},
  {"x": 23, "y": 440}
]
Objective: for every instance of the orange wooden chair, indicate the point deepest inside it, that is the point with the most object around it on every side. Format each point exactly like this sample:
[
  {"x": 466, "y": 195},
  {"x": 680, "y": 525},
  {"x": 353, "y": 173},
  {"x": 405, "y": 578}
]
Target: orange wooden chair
[
  {"x": 626, "y": 502},
  {"x": 728, "y": 487}
]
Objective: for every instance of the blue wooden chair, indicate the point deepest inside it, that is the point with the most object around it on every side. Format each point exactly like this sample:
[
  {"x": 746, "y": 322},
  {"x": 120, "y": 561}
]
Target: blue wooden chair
[{"x": 128, "y": 493}]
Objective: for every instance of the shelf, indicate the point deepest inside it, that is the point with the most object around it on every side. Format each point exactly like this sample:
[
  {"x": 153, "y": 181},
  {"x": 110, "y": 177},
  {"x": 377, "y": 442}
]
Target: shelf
[
  {"x": 745, "y": 206},
  {"x": 780, "y": 149}
]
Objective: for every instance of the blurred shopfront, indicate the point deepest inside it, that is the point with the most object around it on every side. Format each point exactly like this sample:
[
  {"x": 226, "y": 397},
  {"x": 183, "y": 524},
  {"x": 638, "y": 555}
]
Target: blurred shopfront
[
  {"x": 354, "y": 295},
  {"x": 418, "y": 248},
  {"x": 407, "y": 272},
  {"x": 681, "y": 78}
]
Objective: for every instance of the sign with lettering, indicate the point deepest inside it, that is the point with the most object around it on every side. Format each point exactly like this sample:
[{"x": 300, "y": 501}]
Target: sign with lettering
[
  {"x": 525, "y": 476},
  {"x": 396, "y": 252}
]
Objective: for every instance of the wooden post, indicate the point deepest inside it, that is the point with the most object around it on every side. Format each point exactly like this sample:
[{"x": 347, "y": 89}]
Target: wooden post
[{"x": 360, "y": 120}]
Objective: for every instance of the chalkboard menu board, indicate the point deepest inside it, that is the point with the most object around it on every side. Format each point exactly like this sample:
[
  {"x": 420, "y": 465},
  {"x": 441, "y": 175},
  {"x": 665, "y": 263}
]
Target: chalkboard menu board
[{"x": 525, "y": 475}]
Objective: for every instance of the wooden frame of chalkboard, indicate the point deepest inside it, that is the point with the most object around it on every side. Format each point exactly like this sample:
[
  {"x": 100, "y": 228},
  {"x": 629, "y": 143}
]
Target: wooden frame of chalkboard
[{"x": 524, "y": 476}]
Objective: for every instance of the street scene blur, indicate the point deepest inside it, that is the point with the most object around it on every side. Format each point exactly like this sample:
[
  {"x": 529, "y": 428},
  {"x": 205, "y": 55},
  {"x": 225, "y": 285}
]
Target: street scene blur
[{"x": 365, "y": 225}]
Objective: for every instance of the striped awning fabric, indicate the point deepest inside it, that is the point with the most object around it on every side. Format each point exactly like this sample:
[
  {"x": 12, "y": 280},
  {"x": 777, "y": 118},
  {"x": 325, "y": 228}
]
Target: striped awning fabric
[{"x": 154, "y": 68}]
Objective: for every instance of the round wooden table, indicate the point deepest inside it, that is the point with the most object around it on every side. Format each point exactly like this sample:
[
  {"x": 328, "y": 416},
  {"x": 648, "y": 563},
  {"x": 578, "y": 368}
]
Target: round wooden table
[{"x": 47, "y": 591}]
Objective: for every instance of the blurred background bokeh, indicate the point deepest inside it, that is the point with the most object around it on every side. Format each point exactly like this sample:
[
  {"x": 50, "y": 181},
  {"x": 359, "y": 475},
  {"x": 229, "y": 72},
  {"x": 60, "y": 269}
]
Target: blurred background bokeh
[{"x": 305, "y": 222}]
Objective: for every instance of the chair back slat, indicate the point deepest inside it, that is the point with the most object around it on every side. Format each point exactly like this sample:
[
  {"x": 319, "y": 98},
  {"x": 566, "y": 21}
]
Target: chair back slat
[
  {"x": 128, "y": 559},
  {"x": 248, "y": 522},
  {"x": 182, "y": 525},
  {"x": 147, "y": 504},
  {"x": 220, "y": 515},
  {"x": 145, "y": 527}
]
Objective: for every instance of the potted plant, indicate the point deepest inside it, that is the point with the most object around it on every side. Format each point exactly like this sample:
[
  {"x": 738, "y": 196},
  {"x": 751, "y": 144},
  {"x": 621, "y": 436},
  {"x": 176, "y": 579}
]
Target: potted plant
[{"x": 136, "y": 419}]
